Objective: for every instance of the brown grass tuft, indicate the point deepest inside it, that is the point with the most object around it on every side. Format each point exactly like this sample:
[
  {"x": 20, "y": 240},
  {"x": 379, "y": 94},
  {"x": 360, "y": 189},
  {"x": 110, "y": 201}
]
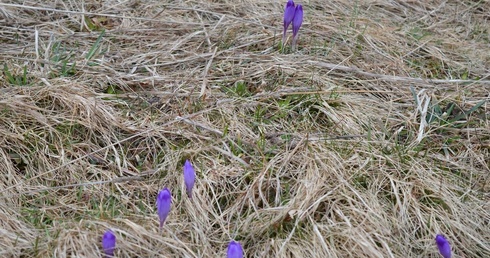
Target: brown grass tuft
[{"x": 329, "y": 151}]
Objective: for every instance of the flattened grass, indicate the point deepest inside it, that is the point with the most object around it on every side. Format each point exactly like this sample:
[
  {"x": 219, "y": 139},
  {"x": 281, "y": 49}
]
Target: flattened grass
[{"x": 328, "y": 151}]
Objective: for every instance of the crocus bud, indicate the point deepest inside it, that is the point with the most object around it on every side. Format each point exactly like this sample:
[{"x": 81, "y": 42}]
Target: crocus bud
[
  {"x": 234, "y": 250},
  {"x": 288, "y": 18},
  {"x": 443, "y": 245},
  {"x": 189, "y": 177},
  {"x": 297, "y": 21},
  {"x": 108, "y": 243},
  {"x": 164, "y": 200}
]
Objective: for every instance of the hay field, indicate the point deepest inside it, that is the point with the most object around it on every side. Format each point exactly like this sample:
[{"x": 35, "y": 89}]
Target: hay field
[{"x": 370, "y": 139}]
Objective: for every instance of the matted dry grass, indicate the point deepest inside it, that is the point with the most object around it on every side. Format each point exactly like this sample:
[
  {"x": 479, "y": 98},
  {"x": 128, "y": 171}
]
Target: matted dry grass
[{"x": 314, "y": 153}]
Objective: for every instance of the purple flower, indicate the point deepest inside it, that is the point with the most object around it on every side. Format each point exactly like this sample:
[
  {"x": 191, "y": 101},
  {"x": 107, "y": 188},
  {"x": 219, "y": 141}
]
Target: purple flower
[
  {"x": 443, "y": 245},
  {"x": 297, "y": 21},
  {"x": 164, "y": 200},
  {"x": 288, "y": 18},
  {"x": 234, "y": 250},
  {"x": 109, "y": 243},
  {"x": 189, "y": 177}
]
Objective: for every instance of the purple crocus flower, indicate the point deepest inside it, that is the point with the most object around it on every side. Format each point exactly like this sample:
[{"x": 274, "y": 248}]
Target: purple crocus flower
[
  {"x": 189, "y": 177},
  {"x": 443, "y": 245},
  {"x": 288, "y": 18},
  {"x": 297, "y": 21},
  {"x": 164, "y": 200},
  {"x": 234, "y": 250},
  {"x": 109, "y": 243}
]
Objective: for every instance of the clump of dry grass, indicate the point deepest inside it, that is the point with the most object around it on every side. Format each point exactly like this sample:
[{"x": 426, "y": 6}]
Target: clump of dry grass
[{"x": 311, "y": 153}]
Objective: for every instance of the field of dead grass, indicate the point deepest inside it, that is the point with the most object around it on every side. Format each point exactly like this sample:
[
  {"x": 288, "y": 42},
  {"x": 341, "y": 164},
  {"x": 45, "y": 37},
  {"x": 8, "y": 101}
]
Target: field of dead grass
[{"x": 370, "y": 139}]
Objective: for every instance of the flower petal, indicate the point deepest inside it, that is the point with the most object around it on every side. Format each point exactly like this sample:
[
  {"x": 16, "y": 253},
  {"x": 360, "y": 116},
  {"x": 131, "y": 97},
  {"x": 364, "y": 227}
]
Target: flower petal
[
  {"x": 298, "y": 19},
  {"x": 234, "y": 250},
  {"x": 444, "y": 246},
  {"x": 189, "y": 177},
  {"x": 109, "y": 243},
  {"x": 164, "y": 200}
]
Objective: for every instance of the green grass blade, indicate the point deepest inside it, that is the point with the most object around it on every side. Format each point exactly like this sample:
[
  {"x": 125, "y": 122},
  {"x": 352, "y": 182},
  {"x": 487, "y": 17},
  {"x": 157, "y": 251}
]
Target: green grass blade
[
  {"x": 95, "y": 47},
  {"x": 471, "y": 110}
]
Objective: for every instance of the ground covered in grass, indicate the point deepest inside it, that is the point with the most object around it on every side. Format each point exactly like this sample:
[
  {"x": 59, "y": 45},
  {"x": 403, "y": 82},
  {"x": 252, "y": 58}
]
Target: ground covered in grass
[{"x": 370, "y": 139}]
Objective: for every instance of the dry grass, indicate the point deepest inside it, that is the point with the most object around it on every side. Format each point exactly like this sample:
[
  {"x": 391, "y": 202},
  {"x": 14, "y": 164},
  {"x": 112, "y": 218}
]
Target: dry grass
[{"x": 311, "y": 153}]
